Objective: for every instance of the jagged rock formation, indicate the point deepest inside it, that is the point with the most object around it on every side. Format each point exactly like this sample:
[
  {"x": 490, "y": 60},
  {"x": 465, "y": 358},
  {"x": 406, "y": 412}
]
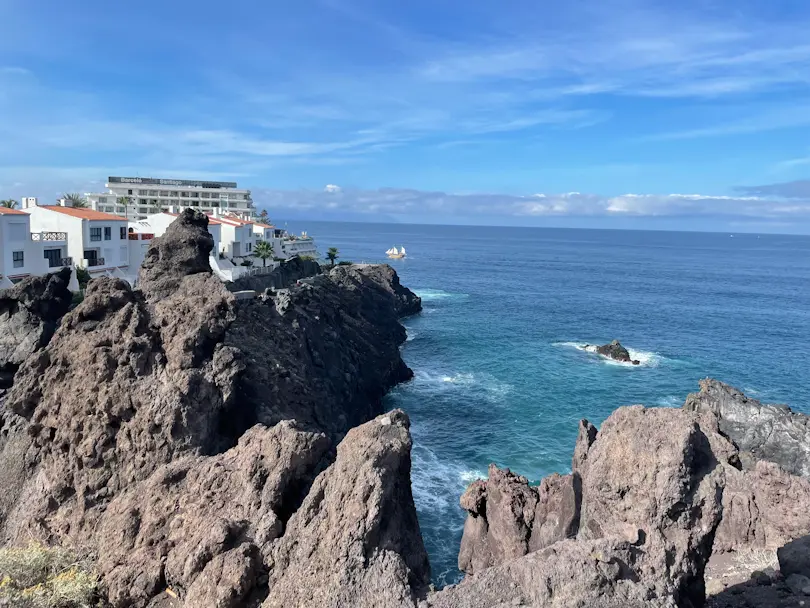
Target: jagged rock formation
[
  {"x": 508, "y": 518},
  {"x": 283, "y": 276},
  {"x": 146, "y": 430},
  {"x": 616, "y": 351},
  {"x": 355, "y": 540},
  {"x": 29, "y": 314},
  {"x": 761, "y": 432},
  {"x": 652, "y": 483}
]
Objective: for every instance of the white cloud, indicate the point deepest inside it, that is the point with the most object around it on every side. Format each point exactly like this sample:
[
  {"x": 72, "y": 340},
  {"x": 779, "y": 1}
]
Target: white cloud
[{"x": 332, "y": 188}]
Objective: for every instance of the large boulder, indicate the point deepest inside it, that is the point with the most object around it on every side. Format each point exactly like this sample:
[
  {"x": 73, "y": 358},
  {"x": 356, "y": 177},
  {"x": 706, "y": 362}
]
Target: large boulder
[
  {"x": 29, "y": 314},
  {"x": 763, "y": 508},
  {"x": 355, "y": 540},
  {"x": 183, "y": 250},
  {"x": 652, "y": 487},
  {"x": 508, "y": 518},
  {"x": 655, "y": 477},
  {"x": 197, "y": 517},
  {"x": 761, "y": 432},
  {"x": 386, "y": 282}
]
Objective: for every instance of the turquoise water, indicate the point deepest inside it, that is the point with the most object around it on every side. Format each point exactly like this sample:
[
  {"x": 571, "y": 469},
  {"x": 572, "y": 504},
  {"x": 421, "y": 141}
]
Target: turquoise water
[{"x": 499, "y": 376}]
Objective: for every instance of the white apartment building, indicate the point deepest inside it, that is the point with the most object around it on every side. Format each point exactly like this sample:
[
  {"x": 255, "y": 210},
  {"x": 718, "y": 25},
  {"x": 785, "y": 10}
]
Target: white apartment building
[
  {"x": 21, "y": 252},
  {"x": 238, "y": 239},
  {"x": 298, "y": 245},
  {"x": 94, "y": 240},
  {"x": 135, "y": 198}
]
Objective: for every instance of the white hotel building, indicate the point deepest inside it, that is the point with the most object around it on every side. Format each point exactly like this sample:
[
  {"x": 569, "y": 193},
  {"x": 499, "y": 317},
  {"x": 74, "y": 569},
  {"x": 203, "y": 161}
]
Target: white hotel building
[{"x": 135, "y": 198}]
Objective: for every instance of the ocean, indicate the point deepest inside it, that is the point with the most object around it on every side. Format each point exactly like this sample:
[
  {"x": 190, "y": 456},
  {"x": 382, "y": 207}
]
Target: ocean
[{"x": 500, "y": 371}]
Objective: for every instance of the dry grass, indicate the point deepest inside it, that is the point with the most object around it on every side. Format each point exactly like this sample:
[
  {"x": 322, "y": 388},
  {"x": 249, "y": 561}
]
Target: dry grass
[{"x": 45, "y": 577}]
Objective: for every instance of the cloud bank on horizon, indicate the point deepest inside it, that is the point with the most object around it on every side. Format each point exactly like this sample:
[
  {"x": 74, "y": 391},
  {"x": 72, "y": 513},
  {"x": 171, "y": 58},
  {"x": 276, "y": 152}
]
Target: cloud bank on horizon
[{"x": 416, "y": 101}]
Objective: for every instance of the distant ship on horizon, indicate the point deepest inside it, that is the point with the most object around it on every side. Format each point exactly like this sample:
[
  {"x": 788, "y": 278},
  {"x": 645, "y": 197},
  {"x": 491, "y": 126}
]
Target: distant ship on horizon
[{"x": 396, "y": 254}]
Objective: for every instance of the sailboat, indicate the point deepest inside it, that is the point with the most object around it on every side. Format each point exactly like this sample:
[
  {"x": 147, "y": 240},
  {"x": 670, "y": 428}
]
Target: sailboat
[{"x": 396, "y": 254}]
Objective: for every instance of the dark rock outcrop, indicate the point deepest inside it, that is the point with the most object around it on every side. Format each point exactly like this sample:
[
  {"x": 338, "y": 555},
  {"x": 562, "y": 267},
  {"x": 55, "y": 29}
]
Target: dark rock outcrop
[
  {"x": 29, "y": 314},
  {"x": 617, "y": 352},
  {"x": 150, "y": 430},
  {"x": 508, "y": 518},
  {"x": 283, "y": 276},
  {"x": 355, "y": 540},
  {"x": 586, "y": 435},
  {"x": 652, "y": 486},
  {"x": 760, "y": 431}
]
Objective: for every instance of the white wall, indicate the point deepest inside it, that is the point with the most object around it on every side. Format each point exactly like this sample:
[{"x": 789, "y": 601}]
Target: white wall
[{"x": 15, "y": 235}]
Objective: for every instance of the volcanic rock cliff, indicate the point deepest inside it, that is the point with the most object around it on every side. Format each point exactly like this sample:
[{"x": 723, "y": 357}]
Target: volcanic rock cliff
[{"x": 149, "y": 430}]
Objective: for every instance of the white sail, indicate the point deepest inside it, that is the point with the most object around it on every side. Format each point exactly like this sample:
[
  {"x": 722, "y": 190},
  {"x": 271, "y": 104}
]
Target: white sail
[
  {"x": 390, "y": 251},
  {"x": 402, "y": 250},
  {"x": 394, "y": 251}
]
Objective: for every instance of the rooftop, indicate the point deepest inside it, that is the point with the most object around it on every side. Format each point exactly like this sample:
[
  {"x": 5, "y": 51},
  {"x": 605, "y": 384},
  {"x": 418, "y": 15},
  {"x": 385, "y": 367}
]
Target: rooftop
[
  {"x": 260, "y": 225},
  {"x": 84, "y": 214},
  {"x": 7, "y": 211},
  {"x": 229, "y": 219}
]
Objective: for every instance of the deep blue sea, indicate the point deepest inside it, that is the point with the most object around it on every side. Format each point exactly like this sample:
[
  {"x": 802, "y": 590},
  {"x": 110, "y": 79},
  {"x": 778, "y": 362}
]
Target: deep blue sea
[{"x": 500, "y": 374}]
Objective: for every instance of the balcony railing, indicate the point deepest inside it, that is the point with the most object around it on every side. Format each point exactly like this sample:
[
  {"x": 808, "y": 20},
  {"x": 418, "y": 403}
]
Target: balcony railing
[
  {"x": 49, "y": 236},
  {"x": 96, "y": 262},
  {"x": 56, "y": 263},
  {"x": 140, "y": 236}
]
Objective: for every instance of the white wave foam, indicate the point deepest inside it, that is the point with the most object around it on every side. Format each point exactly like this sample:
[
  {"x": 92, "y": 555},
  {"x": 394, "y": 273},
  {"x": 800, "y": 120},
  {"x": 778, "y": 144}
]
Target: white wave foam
[
  {"x": 472, "y": 475},
  {"x": 645, "y": 358},
  {"x": 430, "y": 295},
  {"x": 411, "y": 335},
  {"x": 670, "y": 401},
  {"x": 430, "y": 382}
]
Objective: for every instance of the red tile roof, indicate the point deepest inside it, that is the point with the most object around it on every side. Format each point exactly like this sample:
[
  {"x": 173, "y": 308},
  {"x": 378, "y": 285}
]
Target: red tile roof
[
  {"x": 7, "y": 211},
  {"x": 232, "y": 220},
  {"x": 260, "y": 225},
  {"x": 85, "y": 214}
]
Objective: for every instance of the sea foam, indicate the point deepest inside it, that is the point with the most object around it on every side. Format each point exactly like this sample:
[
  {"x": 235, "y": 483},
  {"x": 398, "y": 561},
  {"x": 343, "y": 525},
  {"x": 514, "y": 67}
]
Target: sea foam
[{"x": 645, "y": 358}]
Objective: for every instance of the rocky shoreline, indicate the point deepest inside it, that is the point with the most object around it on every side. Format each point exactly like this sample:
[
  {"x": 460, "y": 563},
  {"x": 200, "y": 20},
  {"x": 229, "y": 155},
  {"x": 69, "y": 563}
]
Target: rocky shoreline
[{"x": 206, "y": 451}]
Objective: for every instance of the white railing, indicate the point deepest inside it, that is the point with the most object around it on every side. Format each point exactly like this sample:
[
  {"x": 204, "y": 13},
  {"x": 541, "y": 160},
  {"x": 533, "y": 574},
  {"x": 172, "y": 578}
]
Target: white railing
[{"x": 49, "y": 236}]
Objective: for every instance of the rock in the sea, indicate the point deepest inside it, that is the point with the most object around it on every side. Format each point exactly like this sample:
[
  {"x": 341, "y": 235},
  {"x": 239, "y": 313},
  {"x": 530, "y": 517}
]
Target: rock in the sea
[
  {"x": 617, "y": 352},
  {"x": 760, "y": 431},
  {"x": 29, "y": 314},
  {"x": 508, "y": 518},
  {"x": 355, "y": 540}
]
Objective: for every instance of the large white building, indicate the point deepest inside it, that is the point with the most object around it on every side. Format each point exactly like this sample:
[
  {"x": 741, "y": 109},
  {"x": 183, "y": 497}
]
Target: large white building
[
  {"x": 135, "y": 198},
  {"x": 21, "y": 251},
  {"x": 93, "y": 240}
]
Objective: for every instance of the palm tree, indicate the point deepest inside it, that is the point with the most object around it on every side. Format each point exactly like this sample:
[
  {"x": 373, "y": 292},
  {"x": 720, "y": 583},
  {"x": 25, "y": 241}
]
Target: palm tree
[
  {"x": 332, "y": 254},
  {"x": 76, "y": 200},
  {"x": 264, "y": 251},
  {"x": 8, "y": 203}
]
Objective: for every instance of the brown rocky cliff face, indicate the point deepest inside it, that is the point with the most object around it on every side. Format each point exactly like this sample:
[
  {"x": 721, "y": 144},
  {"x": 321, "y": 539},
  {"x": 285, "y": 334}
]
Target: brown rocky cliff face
[{"x": 131, "y": 428}]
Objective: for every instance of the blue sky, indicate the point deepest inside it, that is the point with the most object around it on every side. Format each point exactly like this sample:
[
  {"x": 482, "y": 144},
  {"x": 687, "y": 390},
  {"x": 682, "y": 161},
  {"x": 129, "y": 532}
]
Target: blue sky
[{"x": 618, "y": 113}]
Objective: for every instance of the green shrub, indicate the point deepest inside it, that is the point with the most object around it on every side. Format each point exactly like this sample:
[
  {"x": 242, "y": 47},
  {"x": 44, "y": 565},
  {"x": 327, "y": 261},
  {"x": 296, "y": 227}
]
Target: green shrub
[
  {"x": 345, "y": 263},
  {"x": 83, "y": 276},
  {"x": 45, "y": 577}
]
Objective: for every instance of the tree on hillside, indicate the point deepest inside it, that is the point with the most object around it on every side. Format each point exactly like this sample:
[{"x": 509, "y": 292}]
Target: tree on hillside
[
  {"x": 332, "y": 255},
  {"x": 76, "y": 200},
  {"x": 264, "y": 251},
  {"x": 8, "y": 203}
]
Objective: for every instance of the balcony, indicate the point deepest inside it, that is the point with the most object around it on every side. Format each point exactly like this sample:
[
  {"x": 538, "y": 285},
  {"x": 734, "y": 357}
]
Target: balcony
[
  {"x": 95, "y": 262},
  {"x": 60, "y": 262},
  {"x": 140, "y": 236},
  {"x": 49, "y": 236}
]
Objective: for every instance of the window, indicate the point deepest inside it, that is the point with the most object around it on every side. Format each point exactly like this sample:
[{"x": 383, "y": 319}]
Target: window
[
  {"x": 142, "y": 210},
  {"x": 129, "y": 192},
  {"x": 164, "y": 193},
  {"x": 173, "y": 193},
  {"x": 184, "y": 194},
  {"x": 95, "y": 234},
  {"x": 142, "y": 201},
  {"x": 142, "y": 193},
  {"x": 54, "y": 257},
  {"x": 205, "y": 195},
  {"x": 123, "y": 232},
  {"x": 102, "y": 200},
  {"x": 19, "y": 259},
  {"x": 107, "y": 233}
]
